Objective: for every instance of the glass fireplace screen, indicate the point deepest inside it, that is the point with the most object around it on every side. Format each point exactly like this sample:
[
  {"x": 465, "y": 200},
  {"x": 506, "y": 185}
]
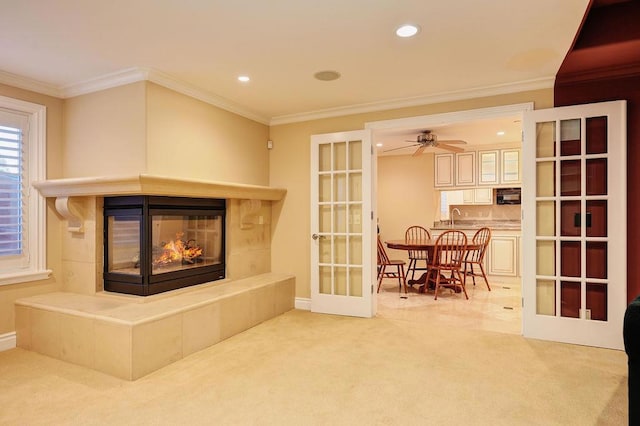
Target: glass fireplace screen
[
  {"x": 155, "y": 244},
  {"x": 177, "y": 243}
]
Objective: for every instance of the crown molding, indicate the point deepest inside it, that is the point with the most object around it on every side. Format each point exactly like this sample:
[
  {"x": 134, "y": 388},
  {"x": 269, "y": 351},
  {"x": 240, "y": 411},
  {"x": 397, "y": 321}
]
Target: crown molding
[
  {"x": 501, "y": 89},
  {"x": 25, "y": 83},
  {"x": 107, "y": 81},
  {"x": 135, "y": 74},
  {"x": 132, "y": 75}
]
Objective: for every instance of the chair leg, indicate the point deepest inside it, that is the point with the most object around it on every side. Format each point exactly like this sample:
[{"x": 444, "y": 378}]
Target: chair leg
[
  {"x": 462, "y": 284},
  {"x": 437, "y": 284},
  {"x": 473, "y": 275},
  {"x": 484, "y": 275},
  {"x": 403, "y": 277},
  {"x": 381, "y": 276},
  {"x": 411, "y": 267}
]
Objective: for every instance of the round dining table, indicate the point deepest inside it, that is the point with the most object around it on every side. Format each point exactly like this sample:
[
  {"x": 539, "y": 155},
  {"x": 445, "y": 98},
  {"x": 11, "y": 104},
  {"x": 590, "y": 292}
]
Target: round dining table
[{"x": 422, "y": 244}]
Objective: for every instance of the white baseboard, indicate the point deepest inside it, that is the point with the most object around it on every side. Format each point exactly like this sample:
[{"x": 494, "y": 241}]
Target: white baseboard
[
  {"x": 7, "y": 341},
  {"x": 303, "y": 304}
]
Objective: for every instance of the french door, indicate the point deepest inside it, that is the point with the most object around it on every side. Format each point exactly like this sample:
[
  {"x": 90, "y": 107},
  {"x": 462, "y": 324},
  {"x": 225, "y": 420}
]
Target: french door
[
  {"x": 574, "y": 224},
  {"x": 342, "y": 226}
]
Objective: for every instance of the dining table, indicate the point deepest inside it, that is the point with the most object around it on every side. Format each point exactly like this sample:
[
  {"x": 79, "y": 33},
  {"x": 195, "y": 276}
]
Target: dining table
[{"x": 428, "y": 245}]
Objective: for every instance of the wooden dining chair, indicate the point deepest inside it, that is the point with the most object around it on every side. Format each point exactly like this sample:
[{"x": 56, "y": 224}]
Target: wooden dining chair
[
  {"x": 414, "y": 233},
  {"x": 446, "y": 265},
  {"x": 482, "y": 237},
  {"x": 384, "y": 262}
]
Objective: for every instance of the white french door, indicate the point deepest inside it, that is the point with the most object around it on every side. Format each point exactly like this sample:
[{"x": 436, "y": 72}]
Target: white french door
[
  {"x": 342, "y": 226},
  {"x": 574, "y": 224}
]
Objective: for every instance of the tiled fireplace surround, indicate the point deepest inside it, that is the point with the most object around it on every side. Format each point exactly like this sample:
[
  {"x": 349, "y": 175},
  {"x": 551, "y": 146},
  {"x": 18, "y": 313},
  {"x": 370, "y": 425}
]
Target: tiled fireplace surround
[{"x": 131, "y": 336}]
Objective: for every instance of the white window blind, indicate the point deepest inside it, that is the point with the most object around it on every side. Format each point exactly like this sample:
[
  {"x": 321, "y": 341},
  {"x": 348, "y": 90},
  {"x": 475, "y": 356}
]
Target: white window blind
[
  {"x": 22, "y": 210},
  {"x": 13, "y": 247}
]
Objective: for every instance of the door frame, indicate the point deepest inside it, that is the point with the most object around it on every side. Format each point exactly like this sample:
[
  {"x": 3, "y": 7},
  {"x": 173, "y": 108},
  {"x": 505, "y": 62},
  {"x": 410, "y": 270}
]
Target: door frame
[{"x": 430, "y": 120}]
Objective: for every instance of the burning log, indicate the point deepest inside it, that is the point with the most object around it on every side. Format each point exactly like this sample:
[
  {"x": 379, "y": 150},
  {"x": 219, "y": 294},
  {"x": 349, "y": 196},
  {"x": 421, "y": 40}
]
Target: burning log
[{"x": 178, "y": 250}]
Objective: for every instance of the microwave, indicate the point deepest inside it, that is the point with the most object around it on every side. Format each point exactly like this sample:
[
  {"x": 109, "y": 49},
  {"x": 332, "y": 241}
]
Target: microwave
[{"x": 508, "y": 196}]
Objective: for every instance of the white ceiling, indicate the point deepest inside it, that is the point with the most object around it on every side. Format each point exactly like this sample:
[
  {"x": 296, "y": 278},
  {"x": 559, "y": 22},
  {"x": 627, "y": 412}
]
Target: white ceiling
[{"x": 201, "y": 46}]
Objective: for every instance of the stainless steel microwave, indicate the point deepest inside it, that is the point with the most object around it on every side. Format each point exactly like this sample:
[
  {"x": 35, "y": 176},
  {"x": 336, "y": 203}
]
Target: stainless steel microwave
[{"x": 508, "y": 196}]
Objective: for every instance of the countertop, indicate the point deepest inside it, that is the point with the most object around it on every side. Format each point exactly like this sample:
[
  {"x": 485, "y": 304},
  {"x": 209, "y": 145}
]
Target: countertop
[{"x": 498, "y": 225}]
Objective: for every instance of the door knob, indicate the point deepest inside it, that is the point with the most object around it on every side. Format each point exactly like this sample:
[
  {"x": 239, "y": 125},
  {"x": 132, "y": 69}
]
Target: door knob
[{"x": 316, "y": 236}]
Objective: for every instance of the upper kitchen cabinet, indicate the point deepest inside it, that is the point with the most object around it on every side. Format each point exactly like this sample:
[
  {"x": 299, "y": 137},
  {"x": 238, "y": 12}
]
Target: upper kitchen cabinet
[
  {"x": 444, "y": 169},
  {"x": 465, "y": 170},
  {"x": 488, "y": 167},
  {"x": 510, "y": 166}
]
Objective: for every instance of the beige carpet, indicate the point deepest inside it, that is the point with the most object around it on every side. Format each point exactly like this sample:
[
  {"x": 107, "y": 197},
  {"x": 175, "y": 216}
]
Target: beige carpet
[{"x": 310, "y": 369}]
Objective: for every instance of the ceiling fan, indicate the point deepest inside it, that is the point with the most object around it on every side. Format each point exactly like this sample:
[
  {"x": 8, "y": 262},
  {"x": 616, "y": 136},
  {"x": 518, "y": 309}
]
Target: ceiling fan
[{"x": 427, "y": 139}]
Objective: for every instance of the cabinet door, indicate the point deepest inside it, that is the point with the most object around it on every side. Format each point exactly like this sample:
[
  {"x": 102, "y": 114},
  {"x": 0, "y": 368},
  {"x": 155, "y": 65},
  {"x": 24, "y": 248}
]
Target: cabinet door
[
  {"x": 483, "y": 196},
  {"x": 488, "y": 166},
  {"x": 510, "y": 166},
  {"x": 466, "y": 168},
  {"x": 443, "y": 170},
  {"x": 468, "y": 196},
  {"x": 503, "y": 255}
]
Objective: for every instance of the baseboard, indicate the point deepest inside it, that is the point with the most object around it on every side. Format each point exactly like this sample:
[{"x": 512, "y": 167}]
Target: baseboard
[
  {"x": 303, "y": 304},
  {"x": 7, "y": 341}
]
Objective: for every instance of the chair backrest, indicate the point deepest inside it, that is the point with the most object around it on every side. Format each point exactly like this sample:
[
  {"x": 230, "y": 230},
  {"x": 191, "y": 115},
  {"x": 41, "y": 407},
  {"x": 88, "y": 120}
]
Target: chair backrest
[
  {"x": 449, "y": 250},
  {"x": 481, "y": 237},
  {"x": 383, "y": 259},
  {"x": 414, "y": 233}
]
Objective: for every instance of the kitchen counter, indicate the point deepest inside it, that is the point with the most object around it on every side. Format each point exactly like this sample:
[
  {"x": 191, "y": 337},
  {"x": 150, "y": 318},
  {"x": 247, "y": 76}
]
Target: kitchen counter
[{"x": 498, "y": 225}]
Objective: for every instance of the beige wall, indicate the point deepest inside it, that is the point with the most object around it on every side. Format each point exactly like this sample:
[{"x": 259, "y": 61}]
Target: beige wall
[
  {"x": 105, "y": 132},
  {"x": 405, "y": 194},
  {"x": 191, "y": 139},
  {"x": 9, "y": 293},
  {"x": 145, "y": 128},
  {"x": 289, "y": 167}
]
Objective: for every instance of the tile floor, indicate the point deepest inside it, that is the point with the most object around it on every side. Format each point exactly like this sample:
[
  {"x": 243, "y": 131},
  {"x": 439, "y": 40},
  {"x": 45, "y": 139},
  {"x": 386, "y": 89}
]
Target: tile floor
[{"x": 497, "y": 310}]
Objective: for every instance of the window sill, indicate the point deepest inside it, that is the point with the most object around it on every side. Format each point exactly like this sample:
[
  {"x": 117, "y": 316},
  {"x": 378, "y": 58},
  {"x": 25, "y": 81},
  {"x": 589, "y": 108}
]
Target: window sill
[{"x": 24, "y": 276}]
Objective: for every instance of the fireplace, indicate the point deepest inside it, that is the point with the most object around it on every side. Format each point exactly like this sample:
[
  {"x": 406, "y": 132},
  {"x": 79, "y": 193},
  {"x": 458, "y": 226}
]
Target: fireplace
[{"x": 154, "y": 244}]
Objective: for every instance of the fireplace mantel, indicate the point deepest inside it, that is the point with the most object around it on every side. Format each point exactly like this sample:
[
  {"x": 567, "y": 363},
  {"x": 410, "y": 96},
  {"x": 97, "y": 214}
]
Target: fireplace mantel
[
  {"x": 65, "y": 190},
  {"x": 155, "y": 185}
]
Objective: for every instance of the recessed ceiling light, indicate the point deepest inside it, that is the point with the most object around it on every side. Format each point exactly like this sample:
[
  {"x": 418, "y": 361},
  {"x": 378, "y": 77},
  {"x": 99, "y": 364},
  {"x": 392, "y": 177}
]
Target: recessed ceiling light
[
  {"x": 378, "y": 144},
  {"x": 327, "y": 75},
  {"x": 407, "y": 30},
  {"x": 244, "y": 78},
  {"x": 500, "y": 133}
]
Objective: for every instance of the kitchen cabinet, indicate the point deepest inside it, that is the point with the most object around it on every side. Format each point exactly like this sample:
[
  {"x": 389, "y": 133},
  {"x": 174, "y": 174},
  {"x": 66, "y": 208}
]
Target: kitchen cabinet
[
  {"x": 510, "y": 166},
  {"x": 477, "y": 196},
  {"x": 488, "y": 167},
  {"x": 444, "y": 169},
  {"x": 465, "y": 170},
  {"x": 482, "y": 168},
  {"x": 502, "y": 258}
]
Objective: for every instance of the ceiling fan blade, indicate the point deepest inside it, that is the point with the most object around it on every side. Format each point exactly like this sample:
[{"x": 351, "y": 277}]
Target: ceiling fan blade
[
  {"x": 402, "y": 147},
  {"x": 455, "y": 142},
  {"x": 449, "y": 147},
  {"x": 419, "y": 151}
]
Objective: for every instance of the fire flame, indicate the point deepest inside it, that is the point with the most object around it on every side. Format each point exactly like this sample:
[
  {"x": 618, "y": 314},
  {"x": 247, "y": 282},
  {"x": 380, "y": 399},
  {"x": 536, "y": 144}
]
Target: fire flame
[{"x": 178, "y": 250}]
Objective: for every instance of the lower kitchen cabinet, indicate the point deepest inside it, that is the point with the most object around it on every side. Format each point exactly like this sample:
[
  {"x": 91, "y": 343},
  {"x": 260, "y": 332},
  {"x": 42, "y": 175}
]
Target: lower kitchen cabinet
[{"x": 502, "y": 258}]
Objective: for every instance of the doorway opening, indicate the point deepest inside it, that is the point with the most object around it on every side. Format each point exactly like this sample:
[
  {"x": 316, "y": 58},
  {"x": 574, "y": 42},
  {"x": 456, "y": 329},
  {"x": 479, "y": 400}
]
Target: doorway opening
[{"x": 408, "y": 193}]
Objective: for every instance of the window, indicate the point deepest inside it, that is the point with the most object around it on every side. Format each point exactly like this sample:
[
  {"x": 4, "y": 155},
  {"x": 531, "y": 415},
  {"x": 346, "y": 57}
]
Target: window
[{"x": 22, "y": 209}]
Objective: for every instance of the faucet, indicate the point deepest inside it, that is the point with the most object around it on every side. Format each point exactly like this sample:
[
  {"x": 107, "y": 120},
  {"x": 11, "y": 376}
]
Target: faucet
[{"x": 454, "y": 210}]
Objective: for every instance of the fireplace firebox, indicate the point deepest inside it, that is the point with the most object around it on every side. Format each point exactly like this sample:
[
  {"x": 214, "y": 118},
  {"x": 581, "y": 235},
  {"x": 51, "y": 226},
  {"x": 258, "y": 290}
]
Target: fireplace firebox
[{"x": 154, "y": 244}]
